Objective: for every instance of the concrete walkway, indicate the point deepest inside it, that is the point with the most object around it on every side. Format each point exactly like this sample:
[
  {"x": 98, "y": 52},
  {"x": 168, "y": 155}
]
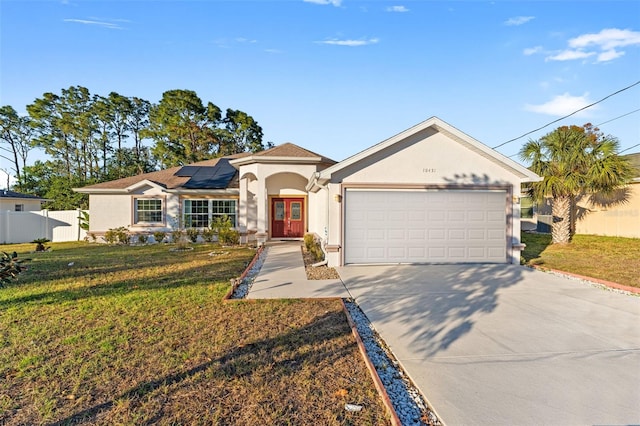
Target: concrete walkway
[{"x": 282, "y": 276}]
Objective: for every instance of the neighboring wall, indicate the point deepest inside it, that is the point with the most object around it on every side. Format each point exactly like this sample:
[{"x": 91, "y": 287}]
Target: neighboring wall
[
  {"x": 621, "y": 220},
  {"x": 24, "y": 227}
]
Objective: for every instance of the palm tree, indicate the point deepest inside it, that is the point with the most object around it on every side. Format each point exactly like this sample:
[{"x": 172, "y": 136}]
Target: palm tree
[{"x": 574, "y": 161}]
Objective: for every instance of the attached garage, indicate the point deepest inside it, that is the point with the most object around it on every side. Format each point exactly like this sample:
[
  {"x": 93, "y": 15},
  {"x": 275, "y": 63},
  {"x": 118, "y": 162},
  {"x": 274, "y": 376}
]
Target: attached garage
[
  {"x": 425, "y": 226},
  {"x": 430, "y": 194}
]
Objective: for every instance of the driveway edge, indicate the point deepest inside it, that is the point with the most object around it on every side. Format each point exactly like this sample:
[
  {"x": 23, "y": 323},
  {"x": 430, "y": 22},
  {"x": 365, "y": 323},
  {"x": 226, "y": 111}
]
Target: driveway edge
[
  {"x": 605, "y": 283},
  {"x": 393, "y": 416}
]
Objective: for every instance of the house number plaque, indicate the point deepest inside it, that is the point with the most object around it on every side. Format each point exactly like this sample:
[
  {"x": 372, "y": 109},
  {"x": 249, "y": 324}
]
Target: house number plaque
[{"x": 426, "y": 170}]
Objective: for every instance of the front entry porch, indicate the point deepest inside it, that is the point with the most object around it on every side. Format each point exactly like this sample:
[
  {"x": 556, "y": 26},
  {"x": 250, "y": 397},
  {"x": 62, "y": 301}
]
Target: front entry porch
[{"x": 287, "y": 217}]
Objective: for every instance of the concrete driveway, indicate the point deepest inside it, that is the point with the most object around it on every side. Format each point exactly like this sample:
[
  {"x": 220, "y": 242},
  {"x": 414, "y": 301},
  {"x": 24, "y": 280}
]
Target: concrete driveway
[{"x": 503, "y": 344}]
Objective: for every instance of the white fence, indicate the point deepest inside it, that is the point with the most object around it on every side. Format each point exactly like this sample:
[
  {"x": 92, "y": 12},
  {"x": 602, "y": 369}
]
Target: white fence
[{"x": 56, "y": 226}]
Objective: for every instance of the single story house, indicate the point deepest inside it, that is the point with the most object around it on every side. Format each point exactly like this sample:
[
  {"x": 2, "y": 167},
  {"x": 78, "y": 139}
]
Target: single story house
[
  {"x": 617, "y": 215},
  {"x": 17, "y": 202},
  {"x": 430, "y": 194}
]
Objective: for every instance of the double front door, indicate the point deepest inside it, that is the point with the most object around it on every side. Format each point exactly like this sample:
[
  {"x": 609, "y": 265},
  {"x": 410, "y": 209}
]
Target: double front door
[{"x": 287, "y": 217}]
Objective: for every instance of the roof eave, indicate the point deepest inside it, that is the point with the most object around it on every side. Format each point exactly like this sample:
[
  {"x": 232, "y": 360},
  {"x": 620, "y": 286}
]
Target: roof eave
[
  {"x": 186, "y": 191},
  {"x": 526, "y": 175},
  {"x": 264, "y": 159}
]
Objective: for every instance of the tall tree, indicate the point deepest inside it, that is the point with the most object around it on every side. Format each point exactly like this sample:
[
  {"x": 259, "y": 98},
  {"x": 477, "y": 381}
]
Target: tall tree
[
  {"x": 183, "y": 128},
  {"x": 16, "y": 134},
  {"x": 66, "y": 128},
  {"x": 138, "y": 124},
  {"x": 241, "y": 133},
  {"x": 574, "y": 161}
]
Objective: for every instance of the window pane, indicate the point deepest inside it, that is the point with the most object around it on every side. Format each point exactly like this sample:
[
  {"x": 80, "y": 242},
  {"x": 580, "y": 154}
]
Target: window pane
[
  {"x": 296, "y": 211},
  {"x": 148, "y": 210},
  {"x": 279, "y": 210},
  {"x": 224, "y": 208},
  {"x": 196, "y": 213}
]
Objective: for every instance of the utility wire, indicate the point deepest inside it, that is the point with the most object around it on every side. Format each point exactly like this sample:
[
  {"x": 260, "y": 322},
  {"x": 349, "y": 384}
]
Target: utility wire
[
  {"x": 613, "y": 119},
  {"x": 627, "y": 149},
  {"x": 569, "y": 115}
]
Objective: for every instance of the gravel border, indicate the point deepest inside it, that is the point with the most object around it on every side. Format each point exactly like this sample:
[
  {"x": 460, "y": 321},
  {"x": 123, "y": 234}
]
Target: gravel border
[
  {"x": 408, "y": 403},
  {"x": 241, "y": 290}
]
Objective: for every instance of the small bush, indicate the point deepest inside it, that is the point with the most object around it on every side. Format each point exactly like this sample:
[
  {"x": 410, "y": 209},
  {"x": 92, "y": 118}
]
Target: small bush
[
  {"x": 143, "y": 238},
  {"x": 118, "y": 235},
  {"x": 312, "y": 245},
  {"x": 309, "y": 241},
  {"x": 193, "y": 234},
  {"x": 229, "y": 237},
  {"x": 10, "y": 267},
  {"x": 209, "y": 234},
  {"x": 40, "y": 243},
  {"x": 159, "y": 236},
  {"x": 177, "y": 235}
]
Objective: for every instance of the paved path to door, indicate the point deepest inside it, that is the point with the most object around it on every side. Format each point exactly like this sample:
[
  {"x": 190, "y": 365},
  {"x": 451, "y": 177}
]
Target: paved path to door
[
  {"x": 282, "y": 276},
  {"x": 506, "y": 345}
]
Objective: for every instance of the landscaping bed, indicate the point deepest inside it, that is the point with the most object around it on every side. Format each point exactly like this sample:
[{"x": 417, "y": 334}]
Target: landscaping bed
[{"x": 319, "y": 272}]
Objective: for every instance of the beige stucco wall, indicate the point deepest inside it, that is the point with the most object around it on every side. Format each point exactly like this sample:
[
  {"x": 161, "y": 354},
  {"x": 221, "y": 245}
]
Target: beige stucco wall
[
  {"x": 622, "y": 220},
  {"x": 286, "y": 184},
  {"x": 432, "y": 158},
  {"x": 107, "y": 211},
  {"x": 10, "y": 204},
  {"x": 427, "y": 158}
]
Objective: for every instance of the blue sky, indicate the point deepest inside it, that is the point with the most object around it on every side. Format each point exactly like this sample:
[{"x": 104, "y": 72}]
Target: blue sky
[{"x": 337, "y": 76}]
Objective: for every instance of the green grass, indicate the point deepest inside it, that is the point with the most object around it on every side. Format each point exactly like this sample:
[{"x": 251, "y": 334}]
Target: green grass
[
  {"x": 129, "y": 335},
  {"x": 609, "y": 258}
]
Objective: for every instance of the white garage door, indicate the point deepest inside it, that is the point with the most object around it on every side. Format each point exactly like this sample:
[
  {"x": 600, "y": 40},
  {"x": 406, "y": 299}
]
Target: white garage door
[{"x": 398, "y": 226}]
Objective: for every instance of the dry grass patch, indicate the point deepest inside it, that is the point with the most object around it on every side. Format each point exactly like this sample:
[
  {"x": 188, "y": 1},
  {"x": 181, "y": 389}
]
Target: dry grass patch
[
  {"x": 609, "y": 258},
  {"x": 130, "y": 335}
]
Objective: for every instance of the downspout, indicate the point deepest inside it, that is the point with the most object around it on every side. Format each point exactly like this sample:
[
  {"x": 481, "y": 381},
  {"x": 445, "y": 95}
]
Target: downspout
[{"x": 326, "y": 256}]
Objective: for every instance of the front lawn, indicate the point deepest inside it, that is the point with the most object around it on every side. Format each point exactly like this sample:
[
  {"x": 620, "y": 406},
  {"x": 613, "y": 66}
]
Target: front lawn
[
  {"x": 609, "y": 258},
  {"x": 139, "y": 335}
]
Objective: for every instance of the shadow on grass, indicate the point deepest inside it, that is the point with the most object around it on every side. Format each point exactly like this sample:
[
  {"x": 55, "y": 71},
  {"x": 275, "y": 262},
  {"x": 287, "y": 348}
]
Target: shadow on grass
[
  {"x": 536, "y": 244},
  {"x": 242, "y": 361},
  {"x": 90, "y": 271}
]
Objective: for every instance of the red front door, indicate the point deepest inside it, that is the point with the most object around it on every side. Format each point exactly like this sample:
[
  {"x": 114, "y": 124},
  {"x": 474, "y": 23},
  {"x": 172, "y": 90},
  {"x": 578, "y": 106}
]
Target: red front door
[{"x": 287, "y": 217}]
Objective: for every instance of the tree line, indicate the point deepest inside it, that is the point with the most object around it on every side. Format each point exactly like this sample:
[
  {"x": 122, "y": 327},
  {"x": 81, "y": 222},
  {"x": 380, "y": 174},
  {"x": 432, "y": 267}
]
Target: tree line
[{"x": 92, "y": 138}]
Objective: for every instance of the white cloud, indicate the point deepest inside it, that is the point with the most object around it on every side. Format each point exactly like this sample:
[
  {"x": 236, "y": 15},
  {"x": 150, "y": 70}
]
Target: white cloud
[
  {"x": 518, "y": 20},
  {"x": 336, "y": 3},
  {"x": 105, "y": 24},
  {"x": 561, "y": 105},
  {"x": 350, "y": 43},
  {"x": 605, "y": 45},
  {"x": 532, "y": 50},
  {"x": 609, "y": 55},
  {"x": 397, "y": 9},
  {"x": 607, "y": 39},
  {"x": 569, "y": 55},
  {"x": 273, "y": 51}
]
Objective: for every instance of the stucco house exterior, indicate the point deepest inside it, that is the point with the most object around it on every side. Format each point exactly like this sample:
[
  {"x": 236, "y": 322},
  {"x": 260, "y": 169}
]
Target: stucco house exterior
[
  {"x": 616, "y": 216},
  {"x": 17, "y": 202},
  {"x": 430, "y": 194}
]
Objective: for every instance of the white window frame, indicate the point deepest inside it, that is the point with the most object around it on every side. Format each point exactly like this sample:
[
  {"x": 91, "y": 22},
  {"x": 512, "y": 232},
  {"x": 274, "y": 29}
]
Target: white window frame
[
  {"x": 136, "y": 215},
  {"x": 210, "y": 213},
  {"x": 19, "y": 208}
]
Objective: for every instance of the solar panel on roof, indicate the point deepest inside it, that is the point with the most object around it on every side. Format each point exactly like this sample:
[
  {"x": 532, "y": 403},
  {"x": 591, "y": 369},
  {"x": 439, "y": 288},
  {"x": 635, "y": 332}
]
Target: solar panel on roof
[
  {"x": 212, "y": 177},
  {"x": 187, "y": 171}
]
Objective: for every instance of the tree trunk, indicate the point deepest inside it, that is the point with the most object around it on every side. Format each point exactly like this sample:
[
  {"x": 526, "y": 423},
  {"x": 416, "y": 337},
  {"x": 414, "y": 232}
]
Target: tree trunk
[{"x": 561, "y": 226}]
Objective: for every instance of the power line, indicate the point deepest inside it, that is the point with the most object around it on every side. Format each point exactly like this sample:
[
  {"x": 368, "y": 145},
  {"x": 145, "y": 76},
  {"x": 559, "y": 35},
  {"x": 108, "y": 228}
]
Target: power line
[
  {"x": 627, "y": 149},
  {"x": 569, "y": 115},
  {"x": 613, "y": 119}
]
